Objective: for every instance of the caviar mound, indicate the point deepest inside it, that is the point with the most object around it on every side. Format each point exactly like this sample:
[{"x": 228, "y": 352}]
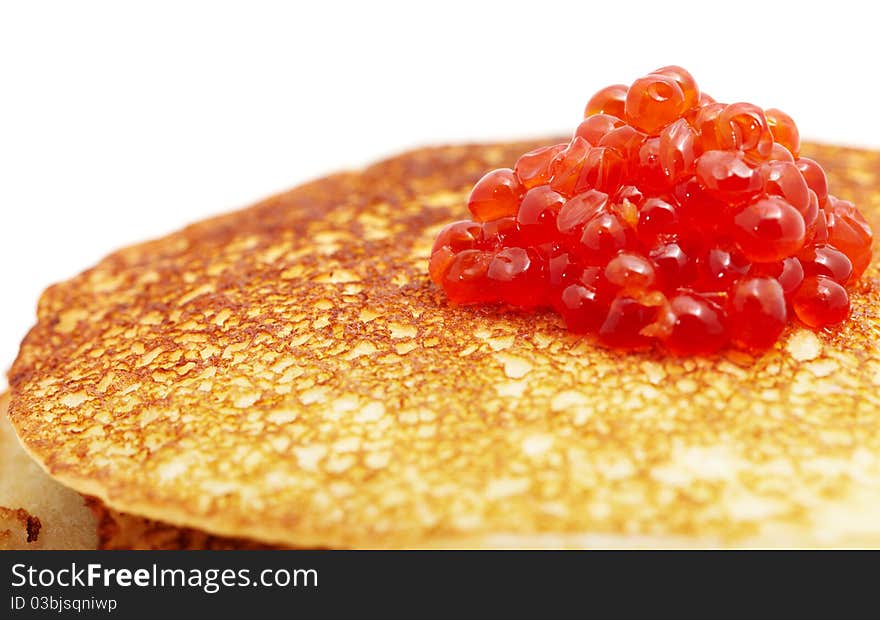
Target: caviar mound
[{"x": 668, "y": 217}]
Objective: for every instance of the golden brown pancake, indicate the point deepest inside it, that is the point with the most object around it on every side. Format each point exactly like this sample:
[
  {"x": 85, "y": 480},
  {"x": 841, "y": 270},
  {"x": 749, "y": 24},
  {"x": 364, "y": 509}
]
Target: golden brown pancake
[{"x": 288, "y": 374}]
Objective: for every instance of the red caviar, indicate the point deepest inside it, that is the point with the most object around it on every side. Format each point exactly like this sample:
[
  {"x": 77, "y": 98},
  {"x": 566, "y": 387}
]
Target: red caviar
[{"x": 666, "y": 218}]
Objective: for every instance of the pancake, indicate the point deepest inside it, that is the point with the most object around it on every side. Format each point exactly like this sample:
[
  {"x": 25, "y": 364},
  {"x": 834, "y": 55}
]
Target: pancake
[
  {"x": 37, "y": 512},
  {"x": 287, "y": 374}
]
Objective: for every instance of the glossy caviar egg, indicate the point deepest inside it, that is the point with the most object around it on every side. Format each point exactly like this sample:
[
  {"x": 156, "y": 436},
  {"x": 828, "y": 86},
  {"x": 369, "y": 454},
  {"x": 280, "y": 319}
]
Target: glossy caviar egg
[
  {"x": 720, "y": 268},
  {"x": 565, "y": 169},
  {"x": 627, "y": 141},
  {"x": 563, "y": 268},
  {"x": 782, "y": 178},
  {"x": 602, "y": 169},
  {"x": 679, "y": 149},
  {"x": 811, "y": 215},
  {"x": 533, "y": 168},
  {"x": 849, "y": 232},
  {"x": 465, "y": 281},
  {"x": 537, "y": 215},
  {"x": 495, "y": 195},
  {"x": 826, "y": 260},
  {"x": 700, "y": 210},
  {"x": 603, "y": 236},
  {"x": 784, "y": 131},
  {"x": 630, "y": 194},
  {"x": 560, "y": 267},
  {"x": 630, "y": 270},
  {"x": 667, "y": 219},
  {"x": 673, "y": 268},
  {"x": 609, "y": 100},
  {"x": 788, "y": 272},
  {"x": 581, "y": 308},
  {"x": 594, "y": 128},
  {"x": 819, "y": 234},
  {"x": 500, "y": 233},
  {"x": 454, "y": 238},
  {"x": 769, "y": 229},
  {"x": 815, "y": 177},
  {"x": 579, "y": 210},
  {"x": 623, "y": 325},
  {"x": 658, "y": 219},
  {"x": 821, "y": 302},
  {"x": 727, "y": 176},
  {"x": 780, "y": 153},
  {"x": 516, "y": 275},
  {"x": 462, "y": 235},
  {"x": 790, "y": 276},
  {"x": 757, "y": 312},
  {"x": 645, "y": 168},
  {"x": 627, "y": 212},
  {"x": 705, "y": 123},
  {"x": 743, "y": 126},
  {"x": 653, "y": 102},
  {"x": 685, "y": 81},
  {"x": 698, "y": 326}
]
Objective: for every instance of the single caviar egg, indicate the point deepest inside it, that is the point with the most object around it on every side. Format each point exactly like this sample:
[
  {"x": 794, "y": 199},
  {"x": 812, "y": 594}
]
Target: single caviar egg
[
  {"x": 629, "y": 270},
  {"x": 653, "y": 102},
  {"x": 826, "y": 260},
  {"x": 768, "y": 229},
  {"x": 698, "y": 326},
  {"x": 533, "y": 168},
  {"x": 757, "y": 312},
  {"x": 495, "y": 195},
  {"x": 537, "y": 215},
  {"x": 610, "y": 100},
  {"x": 581, "y": 308},
  {"x": 784, "y": 131},
  {"x": 726, "y": 175},
  {"x": 743, "y": 127},
  {"x": 820, "y": 301},
  {"x": 679, "y": 149},
  {"x": 625, "y": 323},
  {"x": 595, "y": 127},
  {"x": 685, "y": 81},
  {"x": 667, "y": 219}
]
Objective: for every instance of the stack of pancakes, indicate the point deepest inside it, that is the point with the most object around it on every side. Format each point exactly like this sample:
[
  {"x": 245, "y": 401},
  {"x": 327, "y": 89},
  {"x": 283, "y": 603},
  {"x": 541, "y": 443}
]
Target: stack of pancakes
[{"x": 287, "y": 376}]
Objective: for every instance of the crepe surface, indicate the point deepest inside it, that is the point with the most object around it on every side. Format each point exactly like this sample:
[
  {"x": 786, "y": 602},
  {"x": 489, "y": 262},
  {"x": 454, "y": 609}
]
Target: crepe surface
[{"x": 288, "y": 374}]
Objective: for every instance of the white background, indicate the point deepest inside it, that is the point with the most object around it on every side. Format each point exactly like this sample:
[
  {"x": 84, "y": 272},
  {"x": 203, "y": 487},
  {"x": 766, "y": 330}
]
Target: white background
[{"x": 121, "y": 121}]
